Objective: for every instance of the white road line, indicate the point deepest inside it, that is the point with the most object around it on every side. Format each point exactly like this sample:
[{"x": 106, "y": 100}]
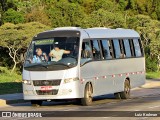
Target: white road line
[
  {"x": 142, "y": 118},
  {"x": 154, "y": 107},
  {"x": 69, "y": 109},
  {"x": 106, "y": 117},
  {"x": 136, "y": 110}
]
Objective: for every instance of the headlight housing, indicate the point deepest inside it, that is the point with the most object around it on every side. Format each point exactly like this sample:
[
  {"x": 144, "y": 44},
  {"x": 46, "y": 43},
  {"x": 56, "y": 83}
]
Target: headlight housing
[
  {"x": 67, "y": 80},
  {"x": 27, "y": 82}
]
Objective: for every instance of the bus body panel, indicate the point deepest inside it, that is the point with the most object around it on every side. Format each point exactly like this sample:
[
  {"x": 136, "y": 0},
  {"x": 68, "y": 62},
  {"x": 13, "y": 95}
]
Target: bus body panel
[
  {"x": 108, "y": 76},
  {"x": 65, "y": 90}
]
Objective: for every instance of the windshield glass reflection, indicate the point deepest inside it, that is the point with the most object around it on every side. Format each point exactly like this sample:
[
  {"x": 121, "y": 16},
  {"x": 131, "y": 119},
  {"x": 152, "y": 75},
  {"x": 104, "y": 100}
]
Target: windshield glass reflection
[{"x": 55, "y": 51}]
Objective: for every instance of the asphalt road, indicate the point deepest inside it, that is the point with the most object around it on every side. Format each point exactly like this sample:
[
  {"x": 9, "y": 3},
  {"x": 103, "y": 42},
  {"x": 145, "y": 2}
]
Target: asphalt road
[{"x": 142, "y": 102}]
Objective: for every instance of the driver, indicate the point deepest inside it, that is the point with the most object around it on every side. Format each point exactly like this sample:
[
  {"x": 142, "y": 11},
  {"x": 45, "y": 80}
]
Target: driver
[
  {"x": 56, "y": 53},
  {"x": 40, "y": 56}
]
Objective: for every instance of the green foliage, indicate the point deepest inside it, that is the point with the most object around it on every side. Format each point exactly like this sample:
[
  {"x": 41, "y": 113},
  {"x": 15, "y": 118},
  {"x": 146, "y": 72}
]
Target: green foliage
[
  {"x": 76, "y": 1},
  {"x": 122, "y": 4},
  {"x": 38, "y": 15},
  {"x": 105, "y": 5},
  {"x": 13, "y": 16},
  {"x": 9, "y": 83},
  {"x": 17, "y": 37},
  {"x": 6, "y": 77},
  {"x": 102, "y": 18},
  {"x": 151, "y": 64},
  {"x": 153, "y": 75},
  {"x": 131, "y": 4},
  {"x": 66, "y": 14},
  {"x": 4, "y": 70}
]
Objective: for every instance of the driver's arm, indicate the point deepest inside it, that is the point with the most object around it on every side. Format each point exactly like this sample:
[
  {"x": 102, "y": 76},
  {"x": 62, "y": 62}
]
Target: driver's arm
[
  {"x": 51, "y": 54},
  {"x": 45, "y": 56},
  {"x": 67, "y": 52}
]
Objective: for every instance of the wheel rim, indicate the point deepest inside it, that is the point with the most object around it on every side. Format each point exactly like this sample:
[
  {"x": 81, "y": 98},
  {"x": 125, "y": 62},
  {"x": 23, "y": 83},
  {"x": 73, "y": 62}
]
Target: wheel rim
[
  {"x": 89, "y": 93},
  {"x": 127, "y": 88}
]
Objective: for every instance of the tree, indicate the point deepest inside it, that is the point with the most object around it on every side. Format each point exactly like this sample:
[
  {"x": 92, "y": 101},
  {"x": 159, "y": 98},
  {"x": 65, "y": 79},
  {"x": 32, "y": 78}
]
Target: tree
[
  {"x": 13, "y": 16},
  {"x": 89, "y": 6},
  {"x": 106, "y": 5},
  {"x": 66, "y": 14},
  {"x": 38, "y": 15},
  {"x": 16, "y": 37},
  {"x": 4, "y": 6},
  {"x": 150, "y": 34},
  {"x": 102, "y": 18}
]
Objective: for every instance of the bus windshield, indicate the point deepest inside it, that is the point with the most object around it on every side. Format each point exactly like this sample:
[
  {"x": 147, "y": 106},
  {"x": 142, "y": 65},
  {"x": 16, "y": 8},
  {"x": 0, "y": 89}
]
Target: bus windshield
[{"x": 52, "y": 53}]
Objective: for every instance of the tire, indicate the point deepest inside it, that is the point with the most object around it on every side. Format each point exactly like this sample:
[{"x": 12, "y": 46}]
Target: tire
[
  {"x": 78, "y": 101},
  {"x": 117, "y": 95},
  {"x": 36, "y": 103},
  {"x": 126, "y": 93},
  {"x": 87, "y": 100}
]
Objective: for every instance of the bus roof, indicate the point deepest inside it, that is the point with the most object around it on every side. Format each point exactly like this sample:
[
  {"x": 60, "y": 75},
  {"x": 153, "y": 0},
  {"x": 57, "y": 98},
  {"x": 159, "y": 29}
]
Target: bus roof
[
  {"x": 99, "y": 32},
  {"x": 111, "y": 33},
  {"x": 102, "y": 32}
]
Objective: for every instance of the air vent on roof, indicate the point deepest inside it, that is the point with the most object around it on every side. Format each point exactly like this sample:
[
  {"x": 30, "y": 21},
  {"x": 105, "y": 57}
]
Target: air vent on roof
[{"x": 67, "y": 28}]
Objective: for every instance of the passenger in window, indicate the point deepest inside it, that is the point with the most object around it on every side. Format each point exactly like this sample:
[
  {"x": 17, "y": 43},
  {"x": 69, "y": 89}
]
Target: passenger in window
[
  {"x": 122, "y": 55},
  {"x": 40, "y": 56},
  {"x": 94, "y": 52},
  {"x": 56, "y": 53},
  {"x": 110, "y": 51},
  {"x": 86, "y": 53}
]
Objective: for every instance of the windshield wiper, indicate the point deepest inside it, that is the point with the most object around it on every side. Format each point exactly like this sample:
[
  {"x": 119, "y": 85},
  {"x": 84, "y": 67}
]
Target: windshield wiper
[
  {"x": 58, "y": 63},
  {"x": 37, "y": 65}
]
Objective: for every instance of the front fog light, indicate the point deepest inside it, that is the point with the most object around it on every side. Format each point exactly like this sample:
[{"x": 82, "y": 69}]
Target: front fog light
[{"x": 27, "y": 82}]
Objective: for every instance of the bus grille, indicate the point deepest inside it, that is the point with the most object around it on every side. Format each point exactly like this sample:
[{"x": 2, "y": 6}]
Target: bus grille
[
  {"x": 50, "y": 92},
  {"x": 46, "y": 82}
]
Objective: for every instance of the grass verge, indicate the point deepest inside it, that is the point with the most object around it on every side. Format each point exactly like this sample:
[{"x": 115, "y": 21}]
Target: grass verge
[
  {"x": 9, "y": 83},
  {"x": 153, "y": 75}
]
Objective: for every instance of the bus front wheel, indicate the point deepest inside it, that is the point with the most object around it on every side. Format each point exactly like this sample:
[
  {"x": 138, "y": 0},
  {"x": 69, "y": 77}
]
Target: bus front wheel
[
  {"x": 36, "y": 103},
  {"x": 87, "y": 100}
]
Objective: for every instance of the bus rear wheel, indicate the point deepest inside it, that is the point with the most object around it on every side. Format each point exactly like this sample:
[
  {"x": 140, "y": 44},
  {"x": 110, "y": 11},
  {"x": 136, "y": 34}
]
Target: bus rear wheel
[
  {"x": 36, "y": 103},
  {"x": 126, "y": 93},
  {"x": 87, "y": 100}
]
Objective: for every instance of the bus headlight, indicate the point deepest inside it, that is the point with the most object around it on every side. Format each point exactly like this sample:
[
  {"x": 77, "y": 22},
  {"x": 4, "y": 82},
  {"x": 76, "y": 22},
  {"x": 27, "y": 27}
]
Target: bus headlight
[
  {"x": 27, "y": 82},
  {"x": 67, "y": 80}
]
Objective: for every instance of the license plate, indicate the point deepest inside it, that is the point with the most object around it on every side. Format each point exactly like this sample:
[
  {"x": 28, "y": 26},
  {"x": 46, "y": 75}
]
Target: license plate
[{"x": 46, "y": 88}]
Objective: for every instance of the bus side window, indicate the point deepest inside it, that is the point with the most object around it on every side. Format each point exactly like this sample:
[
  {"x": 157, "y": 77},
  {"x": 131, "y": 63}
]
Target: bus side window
[
  {"x": 132, "y": 47},
  {"x": 95, "y": 50},
  {"x": 137, "y": 48},
  {"x": 141, "y": 46},
  {"x": 123, "y": 52},
  {"x": 86, "y": 50},
  {"x": 105, "y": 49},
  {"x": 117, "y": 49},
  {"x": 127, "y": 48},
  {"x": 111, "y": 48}
]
